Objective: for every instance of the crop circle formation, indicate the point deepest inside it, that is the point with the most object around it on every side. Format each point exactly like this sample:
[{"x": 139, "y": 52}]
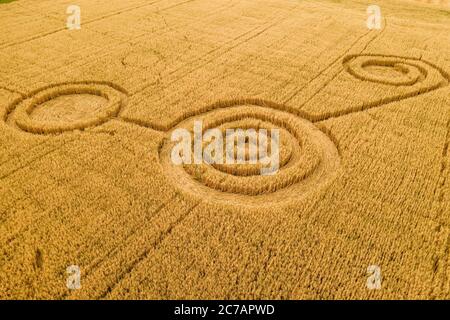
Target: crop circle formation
[
  {"x": 388, "y": 70},
  {"x": 65, "y": 107},
  {"x": 307, "y": 158}
]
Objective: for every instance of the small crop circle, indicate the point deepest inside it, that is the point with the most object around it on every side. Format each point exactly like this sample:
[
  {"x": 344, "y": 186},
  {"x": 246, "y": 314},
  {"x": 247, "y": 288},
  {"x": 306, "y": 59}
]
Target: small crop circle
[
  {"x": 393, "y": 71},
  {"x": 66, "y": 107}
]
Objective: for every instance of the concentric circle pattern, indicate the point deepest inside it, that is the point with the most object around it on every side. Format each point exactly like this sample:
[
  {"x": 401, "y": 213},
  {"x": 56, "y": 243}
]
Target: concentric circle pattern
[
  {"x": 394, "y": 71},
  {"x": 307, "y": 157},
  {"x": 66, "y": 107},
  {"x": 285, "y": 148}
]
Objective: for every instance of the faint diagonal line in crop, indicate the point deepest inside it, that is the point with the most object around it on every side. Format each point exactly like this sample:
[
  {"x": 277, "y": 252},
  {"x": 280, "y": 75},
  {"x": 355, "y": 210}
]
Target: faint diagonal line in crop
[
  {"x": 24, "y": 154},
  {"x": 84, "y": 23},
  {"x": 377, "y": 35},
  {"x": 38, "y": 219},
  {"x": 105, "y": 51},
  {"x": 176, "y": 5},
  {"x": 128, "y": 237},
  {"x": 39, "y": 214},
  {"x": 445, "y": 265},
  {"x": 325, "y": 69},
  {"x": 122, "y": 274},
  {"x": 13, "y": 91},
  {"x": 90, "y": 270},
  {"x": 136, "y": 229},
  {"x": 192, "y": 62},
  {"x": 35, "y": 159},
  {"x": 442, "y": 261},
  {"x": 378, "y": 104},
  {"x": 328, "y": 81},
  {"x": 260, "y": 30},
  {"x": 117, "y": 249}
]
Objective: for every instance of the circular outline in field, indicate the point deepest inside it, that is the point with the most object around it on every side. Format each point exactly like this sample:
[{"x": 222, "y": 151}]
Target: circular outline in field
[
  {"x": 253, "y": 169},
  {"x": 284, "y": 186},
  {"x": 20, "y": 113},
  {"x": 412, "y": 72}
]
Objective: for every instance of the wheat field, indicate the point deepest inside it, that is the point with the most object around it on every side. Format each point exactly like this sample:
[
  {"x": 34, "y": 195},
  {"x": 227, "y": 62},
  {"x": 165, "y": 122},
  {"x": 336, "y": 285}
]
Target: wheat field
[{"x": 86, "y": 178}]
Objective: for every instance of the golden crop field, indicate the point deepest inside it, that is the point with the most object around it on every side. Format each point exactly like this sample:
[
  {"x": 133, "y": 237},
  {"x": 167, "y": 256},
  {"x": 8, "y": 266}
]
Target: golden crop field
[{"x": 88, "y": 188}]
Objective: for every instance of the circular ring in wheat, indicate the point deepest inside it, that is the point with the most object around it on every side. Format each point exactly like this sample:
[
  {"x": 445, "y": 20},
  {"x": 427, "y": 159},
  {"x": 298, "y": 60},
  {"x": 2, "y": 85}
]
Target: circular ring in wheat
[
  {"x": 388, "y": 70},
  {"x": 308, "y": 159},
  {"x": 22, "y": 118}
]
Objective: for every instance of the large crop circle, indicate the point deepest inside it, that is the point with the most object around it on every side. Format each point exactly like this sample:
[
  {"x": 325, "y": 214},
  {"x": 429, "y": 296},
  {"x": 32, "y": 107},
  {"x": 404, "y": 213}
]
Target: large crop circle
[{"x": 307, "y": 159}]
